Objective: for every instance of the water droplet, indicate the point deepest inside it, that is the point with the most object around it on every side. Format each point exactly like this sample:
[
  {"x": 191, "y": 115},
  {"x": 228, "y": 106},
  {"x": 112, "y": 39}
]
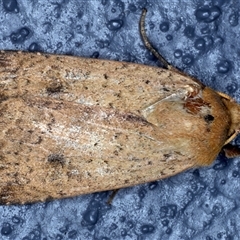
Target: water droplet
[
  {"x": 223, "y": 66},
  {"x": 203, "y": 13},
  {"x": 208, "y": 41},
  {"x": 95, "y": 55},
  {"x": 205, "y": 30},
  {"x": 169, "y": 211},
  {"x": 113, "y": 10},
  {"x": 165, "y": 222},
  {"x": 6, "y": 229},
  {"x": 223, "y": 181},
  {"x": 200, "y": 44},
  {"x": 141, "y": 193},
  {"x": 91, "y": 216},
  {"x": 147, "y": 228},
  {"x": 123, "y": 232},
  {"x": 164, "y": 26},
  {"x": 59, "y": 45},
  {"x": 178, "y": 53},
  {"x": 168, "y": 231},
  {"x": 11, "y": 6},
  {"x": 24, "y": 31},
  {"x": 215, "y": 13},
  {"x": 115, "y": 24},
  {"x": 217, "y": 209},
  {"x": 34, "y": 47},
  {"x": 152, "y": 185},
  {"x": 188, "y": 59},
  {"x": 20, "y": 36},
  {"x": 16, "y": 219},
  {"x": 235, "y": 173},
  {"x": 59, "y": 237},
  {"x": 207, "y": 14},
  {"x": 232, "y": 87},
  {"x": 189, "y": 32},
  {"x": 169, "y": 37}
]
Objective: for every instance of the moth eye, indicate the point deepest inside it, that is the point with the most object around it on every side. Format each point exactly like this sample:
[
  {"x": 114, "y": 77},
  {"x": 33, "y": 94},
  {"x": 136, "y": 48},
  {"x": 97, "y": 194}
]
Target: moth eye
[{"x": 208, "y": 118}]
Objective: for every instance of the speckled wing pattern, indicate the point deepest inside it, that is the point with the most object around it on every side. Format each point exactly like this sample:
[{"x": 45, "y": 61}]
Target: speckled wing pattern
[{"x": 72, "y": 126}]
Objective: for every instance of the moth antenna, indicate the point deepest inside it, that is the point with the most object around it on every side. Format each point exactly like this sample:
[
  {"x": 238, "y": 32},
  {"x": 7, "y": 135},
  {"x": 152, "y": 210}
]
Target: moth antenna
[
  {"x": 147, "y": 43},
  {"x": 160, "y": 58}
]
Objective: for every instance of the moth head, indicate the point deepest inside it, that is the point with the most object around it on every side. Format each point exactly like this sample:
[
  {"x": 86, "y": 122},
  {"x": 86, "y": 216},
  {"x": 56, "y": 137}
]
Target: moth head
[{"x": 234, "y": 111}]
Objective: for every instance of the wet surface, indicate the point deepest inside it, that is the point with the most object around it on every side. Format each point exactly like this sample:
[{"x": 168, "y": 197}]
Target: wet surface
[{"x": 200, "y": 38}]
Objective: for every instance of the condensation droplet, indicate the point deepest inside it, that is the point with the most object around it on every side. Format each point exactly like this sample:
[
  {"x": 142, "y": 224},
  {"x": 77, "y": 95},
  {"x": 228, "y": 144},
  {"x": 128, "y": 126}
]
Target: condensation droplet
[
  {"x": 20, "y": 36},
  {"x": 91, "y": 216},
  {"x": 207, "y": 14},
  {"x": 223, "y": 66},
  {"x": 34, "y": 47},
  {"x": 235, "y": 173},
  {"x": 202, "y": 13},
  {"x": 11, "y": 6},
  {"x": 223, "y": 182},
  {"x": 165, "y": 222},
  {"x": 232, "y": 87},
  {"x": 200, "y": 44},
  {"x": 6, "y": 229},
  {"x": 168, "y": 230},
  {"x": 95, "y": 55},
  {"x": 147, "y": 228},
  {"x": 189, "y": 32},
  {"x": 188, "y": 59},
  {"x": 115, "y": 24},
  {"x": 178, "y": 53},
  {"x": 164, "y": 26},
  {"x": 152, "y": 185},
  {"x": 169, "y": 37}
]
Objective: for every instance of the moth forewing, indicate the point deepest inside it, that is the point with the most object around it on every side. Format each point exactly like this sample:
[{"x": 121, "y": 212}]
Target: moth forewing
[{"x": 72, "y": 126}]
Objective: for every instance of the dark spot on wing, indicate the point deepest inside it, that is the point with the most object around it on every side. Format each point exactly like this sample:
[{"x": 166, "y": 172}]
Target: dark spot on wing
[
  {"x": 9, "y": 194},
  {"x": 54, "y": 88},
  {"x": 56, "y": 159},
  {"x": 134, "y": 118}
]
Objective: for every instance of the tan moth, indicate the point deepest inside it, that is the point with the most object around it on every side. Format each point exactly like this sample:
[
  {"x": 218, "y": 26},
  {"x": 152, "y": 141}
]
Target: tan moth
[{"x": 72, "y": 125}]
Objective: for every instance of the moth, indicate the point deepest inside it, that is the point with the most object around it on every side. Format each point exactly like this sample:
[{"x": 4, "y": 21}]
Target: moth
[{"x": 71, "y": 125}]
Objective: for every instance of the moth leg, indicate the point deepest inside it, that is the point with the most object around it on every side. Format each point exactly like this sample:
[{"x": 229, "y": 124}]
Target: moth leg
[
  {"x": 231, "y": 137},
  {"x": 147, "y": 44},
  {"x": 112, "y": 195},
  {"x": 224, "y": 95},
  {"x": 231, "y": 151}
]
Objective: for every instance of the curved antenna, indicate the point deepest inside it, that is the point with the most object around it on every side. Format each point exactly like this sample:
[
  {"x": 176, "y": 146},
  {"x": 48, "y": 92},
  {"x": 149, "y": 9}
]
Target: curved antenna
[{"x": 148, "y": 44}]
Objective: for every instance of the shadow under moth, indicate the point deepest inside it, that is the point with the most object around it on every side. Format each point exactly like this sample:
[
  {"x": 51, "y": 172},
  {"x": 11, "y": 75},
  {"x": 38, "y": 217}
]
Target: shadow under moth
[{"x": 72, "y": 125}]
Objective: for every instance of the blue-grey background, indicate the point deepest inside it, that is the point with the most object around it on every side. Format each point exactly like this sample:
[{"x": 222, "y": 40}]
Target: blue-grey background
[{"x": 199, "y": 37}]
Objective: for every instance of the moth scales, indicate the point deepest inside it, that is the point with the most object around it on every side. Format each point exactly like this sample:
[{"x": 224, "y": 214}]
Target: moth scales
[{"x": 72, "y": 125}]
